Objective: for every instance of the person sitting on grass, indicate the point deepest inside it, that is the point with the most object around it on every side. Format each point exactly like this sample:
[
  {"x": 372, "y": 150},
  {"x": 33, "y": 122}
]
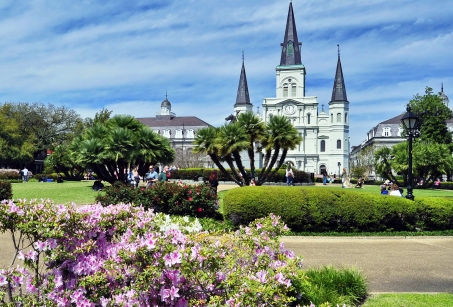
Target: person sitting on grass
[
  {"x": 395, "y": 191},
  {"x": 360, "y": 183},
  {"x": 384, "y": 189},
  {"x": 98, "y": 185}
]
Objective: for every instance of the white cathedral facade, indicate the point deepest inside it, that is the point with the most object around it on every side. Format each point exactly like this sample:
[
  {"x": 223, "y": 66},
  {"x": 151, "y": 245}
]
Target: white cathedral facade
[{"x": 325, "y": 133}]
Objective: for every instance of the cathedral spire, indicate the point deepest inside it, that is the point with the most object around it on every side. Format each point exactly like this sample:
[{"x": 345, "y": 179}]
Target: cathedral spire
[
  {"x": 290, "y": 46},
  {"x": 339, "y": 89},
  {"x": 243, "y": 89}
]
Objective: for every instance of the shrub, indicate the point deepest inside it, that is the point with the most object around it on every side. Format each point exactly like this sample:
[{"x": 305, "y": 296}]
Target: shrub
[
  {"x": 6, "y": 192},
  {"x": 166, "y": 197},
  {"x": 9, "y": 175},
  {"x": 324, "y": 210},
  {"x": 124, "y": 256}
]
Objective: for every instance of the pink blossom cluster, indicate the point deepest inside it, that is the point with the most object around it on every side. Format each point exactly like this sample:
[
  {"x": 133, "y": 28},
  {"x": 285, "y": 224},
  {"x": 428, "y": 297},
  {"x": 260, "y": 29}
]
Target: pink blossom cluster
[{"x": 122, "y": 255}]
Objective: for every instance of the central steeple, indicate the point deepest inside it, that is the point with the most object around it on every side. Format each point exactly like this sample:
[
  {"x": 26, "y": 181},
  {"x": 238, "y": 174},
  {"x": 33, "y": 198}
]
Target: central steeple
[
  {"x": 339, "y": 89},
  {"x": 290, "y": 46}
]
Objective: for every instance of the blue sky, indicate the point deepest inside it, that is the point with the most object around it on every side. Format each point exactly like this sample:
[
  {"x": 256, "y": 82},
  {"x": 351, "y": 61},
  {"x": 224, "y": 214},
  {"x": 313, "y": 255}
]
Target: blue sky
[{"x": 124, "y": 55}]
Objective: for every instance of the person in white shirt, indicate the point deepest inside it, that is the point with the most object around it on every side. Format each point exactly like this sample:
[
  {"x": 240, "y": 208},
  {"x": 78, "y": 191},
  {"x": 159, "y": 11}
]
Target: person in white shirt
[
  {"x": 25, "y": 173},
  {"x": 394, "y": 190}
]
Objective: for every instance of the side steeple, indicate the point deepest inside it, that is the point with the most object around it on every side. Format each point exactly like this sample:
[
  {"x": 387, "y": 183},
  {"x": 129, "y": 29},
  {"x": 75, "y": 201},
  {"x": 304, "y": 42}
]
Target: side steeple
[
  {"x": 243, "y": 97},
  {"x": 243, "y": 89},
  {"x": 339, "y": 89},
  {"x": 290, "y": 46}
]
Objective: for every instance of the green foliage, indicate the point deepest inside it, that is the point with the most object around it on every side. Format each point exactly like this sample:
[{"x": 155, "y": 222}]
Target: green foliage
[
  {"x": 324, "y": 210},
  {"x": 336, "y": 286},
  {"x": 9, "y": 175},
  {"x": 433, "y": 115},
  {"x": 120, "y": 143},
  {"x": 6, "y": 191},
  {"x": 227, "y": 142},
  {"x": 166, "y": 197}
]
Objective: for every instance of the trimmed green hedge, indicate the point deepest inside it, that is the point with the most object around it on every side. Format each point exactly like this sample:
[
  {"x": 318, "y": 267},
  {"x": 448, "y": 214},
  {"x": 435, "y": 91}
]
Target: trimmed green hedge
[
  {"x": 322, "y": 210},
  {"x": 6, "y": 191},
  {"x": 195, "y": 173}
]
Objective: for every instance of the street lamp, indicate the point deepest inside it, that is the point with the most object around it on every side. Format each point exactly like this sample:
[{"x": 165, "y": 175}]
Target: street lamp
[
  {"x": 412, "y": 124},
  {"x": 339, "y": 166},
  {"x": 183, "y": 130}
]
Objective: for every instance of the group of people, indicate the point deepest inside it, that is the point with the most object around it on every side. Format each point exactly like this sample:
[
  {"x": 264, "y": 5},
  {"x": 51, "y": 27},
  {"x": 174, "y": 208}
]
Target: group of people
[
  {"x": 389, "y": 188},
  {"x": 151, "y": 177},
  {"x": 24, "y": 174}
]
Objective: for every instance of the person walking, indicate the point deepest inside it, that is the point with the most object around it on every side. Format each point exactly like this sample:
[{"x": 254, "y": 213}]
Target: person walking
[
  {"x": 151, "y": 177},
  {"x": 214, "y": 182},
  {"x": 25, "y": 174},
  {"x": 289, "y": 175},
  {"x": 324, "y": 176},
  {"x": 163, "y": 175},
  {"x": 344, "y": 176}
]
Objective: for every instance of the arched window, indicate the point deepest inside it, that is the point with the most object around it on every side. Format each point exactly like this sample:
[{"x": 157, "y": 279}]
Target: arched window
[
  {"x": 285, "y": 90},
  {"x": 345, "y": 118},
  {"x": 323, "y": 146},
  {"x": 308, "y": 118},
  {"x": 338, "y": 144},
  {"x": 338, "y": 117},
  {"x": 331, "y": 118},
  {"x": 293, "y": 90}
]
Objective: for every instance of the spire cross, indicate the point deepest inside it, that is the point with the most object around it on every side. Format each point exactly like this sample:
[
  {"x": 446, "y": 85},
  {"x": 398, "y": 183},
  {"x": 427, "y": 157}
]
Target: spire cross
[
  {"x": 242, "y": 56},
  {"x": 165, "y": 94},
  {"x": 442, "y": 87},
  {"x": 338, "y": 45},
  {"x": 322, "y": 107}
]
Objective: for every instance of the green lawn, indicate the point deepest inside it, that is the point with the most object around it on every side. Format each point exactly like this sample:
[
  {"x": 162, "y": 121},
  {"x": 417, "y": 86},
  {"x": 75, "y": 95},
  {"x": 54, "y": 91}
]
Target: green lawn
[
  {"x": 79, "y": 192},
  {"x": 409, "y": 300},
  {"x": 374, "y": 189}
]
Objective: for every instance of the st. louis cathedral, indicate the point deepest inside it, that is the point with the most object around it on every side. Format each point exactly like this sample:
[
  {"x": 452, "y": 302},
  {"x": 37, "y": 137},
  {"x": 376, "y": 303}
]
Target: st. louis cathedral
[{"x": 325, "y": 133}]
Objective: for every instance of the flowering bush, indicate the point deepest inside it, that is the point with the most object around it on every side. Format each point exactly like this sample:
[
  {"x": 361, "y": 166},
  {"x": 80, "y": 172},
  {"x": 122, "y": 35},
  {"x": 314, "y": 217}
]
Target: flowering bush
[
  {"x": 5, "y": 190},
  {"x": 166, "y": 197},
  {"x": 9, "y": 175},
  {"x": 122, "y": 255}
]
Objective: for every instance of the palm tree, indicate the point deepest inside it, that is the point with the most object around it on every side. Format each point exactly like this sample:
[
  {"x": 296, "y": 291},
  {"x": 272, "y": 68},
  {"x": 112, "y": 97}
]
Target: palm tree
[
  {"x": 231, "y": 140},
  {"x": 280, "y": 135},
  {"x": 254, "y": 128},
  {"x": 205, "y": 143}
]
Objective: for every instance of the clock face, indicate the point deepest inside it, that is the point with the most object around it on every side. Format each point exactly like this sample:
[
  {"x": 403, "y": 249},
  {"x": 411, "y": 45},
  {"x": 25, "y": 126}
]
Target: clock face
[{"x": 290, "y": 109}]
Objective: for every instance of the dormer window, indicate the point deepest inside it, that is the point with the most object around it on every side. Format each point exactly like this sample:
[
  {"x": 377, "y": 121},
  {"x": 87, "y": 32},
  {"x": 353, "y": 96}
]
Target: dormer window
[{"x": 387, "y": 131}]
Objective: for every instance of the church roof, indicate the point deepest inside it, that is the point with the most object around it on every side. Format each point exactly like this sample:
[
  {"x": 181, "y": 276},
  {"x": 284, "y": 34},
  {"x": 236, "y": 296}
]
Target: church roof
[
  {"x": 243, "y": 89},
  {"x": 290, "y": 46},
  {"x": 169, "y": 121},
  {"x": 339, "y": 89},
  {"x": 443, "y": 96}
]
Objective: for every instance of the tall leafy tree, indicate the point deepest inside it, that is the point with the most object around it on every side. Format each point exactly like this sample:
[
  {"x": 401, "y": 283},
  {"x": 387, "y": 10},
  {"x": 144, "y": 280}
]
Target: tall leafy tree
[{"x": 433, "y": 115}]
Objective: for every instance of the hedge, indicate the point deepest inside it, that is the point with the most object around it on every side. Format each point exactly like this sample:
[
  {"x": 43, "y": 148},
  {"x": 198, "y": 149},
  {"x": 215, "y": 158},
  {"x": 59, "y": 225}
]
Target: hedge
[
  {"x": 6, "y": 191},
  {"x": 322, "y": 210},
  {"x": 195, "y": 173}
]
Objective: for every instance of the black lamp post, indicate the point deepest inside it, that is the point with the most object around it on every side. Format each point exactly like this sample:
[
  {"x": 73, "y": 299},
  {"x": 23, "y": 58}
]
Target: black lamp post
[
  {"x": 183, "y": 131},
  {"x": 412, "y": 124},
  {"x": 339, "y": 166}
]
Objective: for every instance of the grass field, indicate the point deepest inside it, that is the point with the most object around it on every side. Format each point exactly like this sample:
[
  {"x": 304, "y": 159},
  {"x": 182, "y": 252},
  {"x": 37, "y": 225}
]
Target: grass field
[
  {"x": 410, "y": 300},
  {"x": 79, "y": 192}
]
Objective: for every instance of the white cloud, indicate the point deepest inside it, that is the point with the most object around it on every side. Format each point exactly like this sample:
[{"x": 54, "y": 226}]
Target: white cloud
[{"x": 125, "y": 55}]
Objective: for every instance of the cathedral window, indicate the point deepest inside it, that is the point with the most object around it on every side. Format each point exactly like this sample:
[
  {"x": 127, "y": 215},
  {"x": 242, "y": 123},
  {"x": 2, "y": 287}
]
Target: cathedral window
[
  {"x": 308, "y": 118},
  {"x": 323, "y": 146},
  {"x": 338, "y": 117},
  {"x": 338, "y": 144},
  {"x": 346, "y": 118},
  {"x": 386, "y": 131},
  {"x": 285, "y": 90},
  {"x": 293, "y": 90},
  {"x": 331, "y": 118}
]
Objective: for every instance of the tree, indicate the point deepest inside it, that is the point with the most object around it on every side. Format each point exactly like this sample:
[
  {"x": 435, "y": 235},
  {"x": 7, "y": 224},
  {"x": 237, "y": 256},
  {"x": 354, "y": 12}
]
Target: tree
[
  {"x": 121, "y": 142},
  {"x": 365, "y": 161},
  {"x": 433, "y": 115},
  {"x": 227, "y": 142}
]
